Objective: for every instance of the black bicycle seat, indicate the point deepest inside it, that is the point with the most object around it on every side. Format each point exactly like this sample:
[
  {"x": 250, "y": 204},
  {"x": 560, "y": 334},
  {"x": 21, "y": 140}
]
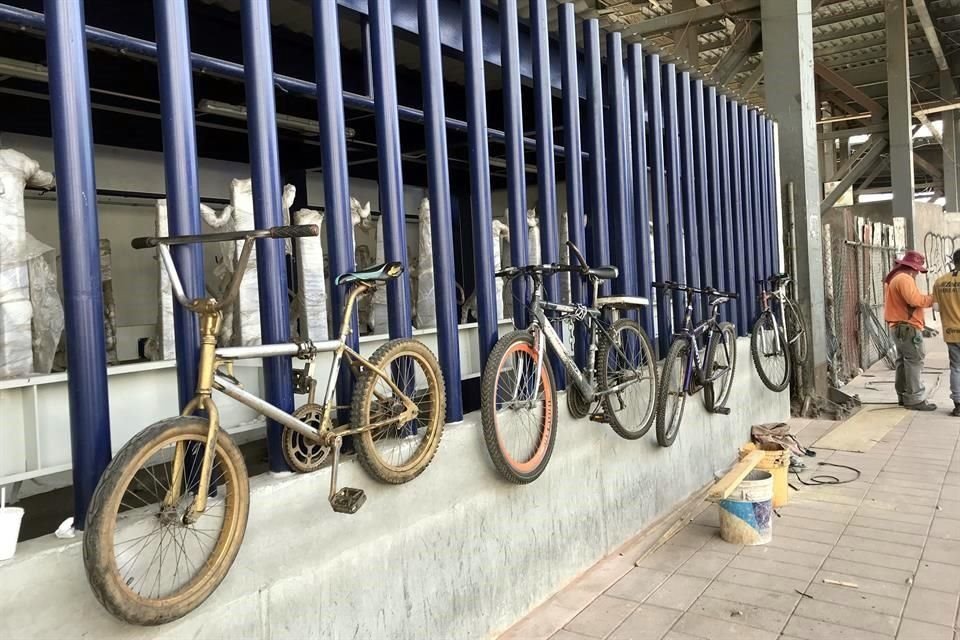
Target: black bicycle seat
[
  {"x": 376, "y": 273},
  {"x": 608, "y": 272}
]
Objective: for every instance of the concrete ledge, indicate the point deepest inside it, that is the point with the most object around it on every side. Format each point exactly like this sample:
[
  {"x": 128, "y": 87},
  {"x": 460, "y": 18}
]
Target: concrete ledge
[{"x": 458, "y": 553}]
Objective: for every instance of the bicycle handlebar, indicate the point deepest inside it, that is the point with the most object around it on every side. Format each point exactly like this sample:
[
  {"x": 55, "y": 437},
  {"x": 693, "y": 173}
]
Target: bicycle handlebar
[
  {"x": 536, "y": 269},
  {"x": 709, "y": 291},
  {"x": 290, "y": 231}
]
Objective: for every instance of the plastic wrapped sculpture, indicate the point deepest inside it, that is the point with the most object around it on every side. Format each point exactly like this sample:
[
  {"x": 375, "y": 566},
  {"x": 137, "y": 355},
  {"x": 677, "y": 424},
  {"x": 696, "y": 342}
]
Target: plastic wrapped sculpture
[
  {"x": 31, "y": 315},
  {"x": 501, "y": 232},
  {"x": 564, "y": 234},
  {"x": 364, "y": 224},
  {"x": 426, "y": 300},
  {"x": 311, "y": 303},
  {"x": 533, "y": 237}
]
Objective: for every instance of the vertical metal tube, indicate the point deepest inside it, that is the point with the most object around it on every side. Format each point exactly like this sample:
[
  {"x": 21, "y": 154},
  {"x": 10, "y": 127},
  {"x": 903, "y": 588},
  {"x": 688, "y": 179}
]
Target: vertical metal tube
[
  {"x": 516, "y": 164},
  {"x": 675, "y": 206},
  {"x": 180, "y": 174},
  {"x": 773, "y": 196},
  {"x": 336, "y": 187},
  {"x": 658, "y": 199},
  {"x": 622, "y": 233},
  {"x": 761, "y": 190},
  {"x": 441, "y": 217},
  {"x": 641, "y": 187},
  {"x": 705, "y": 230},
  {"x": 749, "y": 211},
  {"x": 80, "y": 250},
  {"x": 267, "y": 212},
  {"x": 688, "y": 177},
  {"x": 596, "y": 204},
  {"x": 480, "y": 204},
  {"x": 573, "y": 160},
  {"x": 739, "y": 209},
  {"x": 715, "y": 219},
  {"x": 769, "y": 223},
  {"x": 730, "y": 252},
  {"x": 393, "y": 219},
  {"x": 367, "y": 57}
]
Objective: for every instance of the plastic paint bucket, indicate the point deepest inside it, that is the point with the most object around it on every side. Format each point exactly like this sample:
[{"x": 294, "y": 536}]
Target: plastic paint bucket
[{"x": 746, "y": 516}]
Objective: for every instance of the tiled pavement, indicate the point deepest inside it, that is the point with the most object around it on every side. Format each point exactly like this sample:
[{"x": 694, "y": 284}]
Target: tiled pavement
[{"x": 894, "y": 533}]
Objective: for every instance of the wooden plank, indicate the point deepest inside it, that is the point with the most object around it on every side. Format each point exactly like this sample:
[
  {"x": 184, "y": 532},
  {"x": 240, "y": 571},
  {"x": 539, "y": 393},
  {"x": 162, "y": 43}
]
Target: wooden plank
[
  {"x": 729, "y": 482},
  {"x": 861, "y": 431}
]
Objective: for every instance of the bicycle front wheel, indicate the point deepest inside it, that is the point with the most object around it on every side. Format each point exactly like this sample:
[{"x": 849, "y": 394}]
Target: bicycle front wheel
[
  {"x": 719, "y": 367},
  {"x": 768, "y": 347},
  {"x": 672, "y": 394},
  {"x": 398, "y": 448},
  {"x": 797, "y": 333},
  {"x": 150, "y": 563},
  {"x": 518, "y": 409},
  {"x": 627, "y": 377}
]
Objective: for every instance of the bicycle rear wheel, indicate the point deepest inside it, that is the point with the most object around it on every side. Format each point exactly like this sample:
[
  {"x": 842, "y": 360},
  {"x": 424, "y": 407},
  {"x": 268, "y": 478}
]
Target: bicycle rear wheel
[
  {"x": 147, "y": 563},
  {"x": 721, "y": 361},
  {"x": 672, "y": 394},
  {"x": 797, "y": 333},
  {"x": 626, "y": 362},
  {"x": 768, "y": 347},
  {"x": 518, "y": 411}
]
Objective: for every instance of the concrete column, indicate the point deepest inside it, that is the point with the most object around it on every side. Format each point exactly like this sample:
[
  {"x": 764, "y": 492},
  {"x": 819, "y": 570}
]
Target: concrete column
[
  {"x": 951, "y": 132},
  {"x": 687, "y": 46},
  {"x": 828, "y": 161},
  {"x": 791, "y": 101},
  {"x": 900, "y": 116}
]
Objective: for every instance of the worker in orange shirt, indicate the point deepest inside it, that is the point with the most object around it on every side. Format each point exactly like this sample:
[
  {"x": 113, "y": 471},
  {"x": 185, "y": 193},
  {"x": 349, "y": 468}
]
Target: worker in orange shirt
[
  {"x": 903, "y": 312},
  {"x": 946, "y": 291}
]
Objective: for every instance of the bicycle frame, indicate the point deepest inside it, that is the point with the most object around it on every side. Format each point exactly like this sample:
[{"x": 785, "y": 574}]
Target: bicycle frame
[
  {"x": 779, "y": 294},
  {"x": 692, "y": 335}
]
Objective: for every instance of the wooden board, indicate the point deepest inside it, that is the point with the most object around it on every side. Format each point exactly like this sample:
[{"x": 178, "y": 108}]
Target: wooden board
[
  {"x": 861, "y": 431},
  {"x": 729, "y": 482}
]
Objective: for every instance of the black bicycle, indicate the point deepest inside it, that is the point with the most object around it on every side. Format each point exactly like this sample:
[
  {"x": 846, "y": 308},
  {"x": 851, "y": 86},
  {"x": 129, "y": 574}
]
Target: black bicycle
[{"x": 684, "y": 372}]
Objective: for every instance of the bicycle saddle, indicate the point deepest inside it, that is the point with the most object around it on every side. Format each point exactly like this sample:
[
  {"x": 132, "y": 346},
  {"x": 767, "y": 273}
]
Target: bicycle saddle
[
  {"x": 603, "y": 273},
  {"x": 775, "y": 279},
  {"x": 376, "y": 273}
]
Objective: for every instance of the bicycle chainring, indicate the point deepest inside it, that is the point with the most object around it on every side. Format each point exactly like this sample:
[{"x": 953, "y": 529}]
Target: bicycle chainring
[{"x": 302, "y": 454}]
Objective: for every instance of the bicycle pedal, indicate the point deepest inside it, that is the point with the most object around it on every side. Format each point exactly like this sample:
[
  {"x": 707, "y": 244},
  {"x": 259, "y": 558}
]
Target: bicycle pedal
[
  {"x": 348, "y": 500},
  {"x": 598, "y": 417},
  {"x": 723, "y": 411}
]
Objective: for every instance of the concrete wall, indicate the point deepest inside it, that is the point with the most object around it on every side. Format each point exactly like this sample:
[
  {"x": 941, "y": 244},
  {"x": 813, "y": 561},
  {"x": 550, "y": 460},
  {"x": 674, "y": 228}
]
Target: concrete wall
[{"x": 458, "y": 553}]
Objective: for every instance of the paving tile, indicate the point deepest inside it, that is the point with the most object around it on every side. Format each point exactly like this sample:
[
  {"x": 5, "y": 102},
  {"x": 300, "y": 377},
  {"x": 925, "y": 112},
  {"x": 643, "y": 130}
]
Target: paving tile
[
  {"x": 693, "y": 535},
  {"x": 891, "y": 525},
  {"x": 676, "y": 635},
  {"x": 867, "y": 585},
  {"x": 783, "y": 555},
  {"x": 678, "y": 592},
  {"x": 638, "y": 584},
  {"x": 646, "y": 623},
  {"x": 709, "y": 517},
  {"x": 871, "y": 557},
  {"x": 705, "y": 564},
  {"x": 705, "y": 627},
  {"x": 949, "y": 508},
  {"x": 869, "y": 511},
  {"x": 667, "y": 558},
  {"x": 807, "y": 629},
  {"x": 741, "y": 612},
  {"x": 773, "y": 568},
  {"x": 938, "y": 576},
  {"x": 847, "y": 616},
  {"x": 873, "y": 572},
  {"x": 896, "y": 502},
  {"x": 602, "y": 616},
  {"x": 761, "y": 580},
  {"x": 800, "y": 522},
  {"x": 939, "y": 550},
  {"x": 786, "y": 531},
  {"x": 927, "y": 605},
  {"x": 799, "y": 544},
  {"x": 856, "y": 598},
  {"x": 872, "y": 533},
  {"x": 563, "y": 634},
  {"x": 814, "y": 497},
  {"x": 946, "y": 528},
  {"x": 916, "y": 630},
  {"x": 720, "y": 545},
  {"x": 814, "y": 513},
  {"x": 775, "y": 601},
  {"x": 879, "y": 546}
]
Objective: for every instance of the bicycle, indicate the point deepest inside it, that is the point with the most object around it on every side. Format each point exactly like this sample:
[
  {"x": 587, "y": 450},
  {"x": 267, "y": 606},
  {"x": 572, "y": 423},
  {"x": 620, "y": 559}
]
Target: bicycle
[
  {"x": 169, "y": 513},
  {"x": 684, "y": 373},
  {"x": 777, "y": 341},
  {"x": 518, "y": 392}
]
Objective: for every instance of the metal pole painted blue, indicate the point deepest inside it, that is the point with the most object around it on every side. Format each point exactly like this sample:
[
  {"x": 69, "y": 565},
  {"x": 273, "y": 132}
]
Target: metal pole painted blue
[
  {"x": 715, "y": 217},
  {"x": 730, "y": 255},
  {"x": 761, "y": 190},
  {"x": 80, "y": 250},
  {"x": 336, "y": 180},
  {"x": 753, "y": 158},
  {"x": 749, "y": 211},
  {"x": 180, "y": 174},
  {"x": 706, "y": 230},
  {"x": 393, "y": 219},
  {"x": 658, "y": 199},
  {"x": 516, "y": 163},
  {"x": 546, "y": 162},
  {"x": 574, "y": 162},
  {"x": 481, "y": 208},
  {"x": 675, "y": 206},
  {"x": 596, "y": 204},
  {"x": 641, "y": 188},
  {"x": 688, "y": 177},
  {"x": 267, "y": 212},
  {"x": 365, "y": 46},
  {"x": 738, "y": 202},
  {"x": 622, "y": 234},
  {"x": 441, "y": 216}
]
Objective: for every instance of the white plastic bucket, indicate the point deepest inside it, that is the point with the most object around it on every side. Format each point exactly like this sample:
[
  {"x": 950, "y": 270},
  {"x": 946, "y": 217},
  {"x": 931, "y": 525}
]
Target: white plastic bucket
[
  {"x": 10, "y": 518},
  {"x": 746, "y": 516}
]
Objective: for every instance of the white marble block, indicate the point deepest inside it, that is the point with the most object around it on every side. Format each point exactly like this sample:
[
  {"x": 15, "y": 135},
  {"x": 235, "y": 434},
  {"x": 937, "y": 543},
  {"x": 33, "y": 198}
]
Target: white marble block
[
  {"x": 426, "y": 295},
  {"x": 312, "y": 296}
]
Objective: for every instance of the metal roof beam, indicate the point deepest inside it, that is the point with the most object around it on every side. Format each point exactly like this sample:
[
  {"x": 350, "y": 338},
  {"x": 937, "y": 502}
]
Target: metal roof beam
[
  {"x": 864, "y": 164},
  {"x": 920, "y": 6},
  {"x": 842, "y": 134},
  {"x": 745, "y": 41},
  {"x": 848, "y": 89},
  {"x": 690, "y": 17}
]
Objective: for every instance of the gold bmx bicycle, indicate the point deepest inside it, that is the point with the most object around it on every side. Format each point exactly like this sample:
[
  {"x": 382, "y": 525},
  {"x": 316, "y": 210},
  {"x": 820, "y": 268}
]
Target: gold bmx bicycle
[{"x": 168, "y": 516}]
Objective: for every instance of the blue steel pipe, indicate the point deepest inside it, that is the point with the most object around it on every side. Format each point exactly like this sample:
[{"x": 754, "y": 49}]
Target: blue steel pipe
[
  {"x": 574, "y": 163},
  {"x": 691, "y": 232},
  {"x": 267, "y": 212},
  {"x": 336, "y": 180},
  {"x": 368, "y": 58},
  {"x": 180, "y": 174},
  {"x": 730, "y": 254},
  {"x": 658, "y": 199},
  {"x": 749, "y": 212},
  {"x": 739, "y": 209},
  {"x": 622, "y": 232},
  {"x": 760, "y": 188},
  {"x": 441, "y": 216},
  {"x": 481, "y": 207},
  {"x": 392, "y": 220},
  {"x": 596, "y": 204},
  {"x": 516, "y": 163},
  {"x": 675, "y": 207},
  {"x": 641, "y": 200},
  {"x": 80, "y": 251},
  {"x": 716, "y": 220},
  {"x": 546, "y": 167},
  {"x": 706, "y": 228}
]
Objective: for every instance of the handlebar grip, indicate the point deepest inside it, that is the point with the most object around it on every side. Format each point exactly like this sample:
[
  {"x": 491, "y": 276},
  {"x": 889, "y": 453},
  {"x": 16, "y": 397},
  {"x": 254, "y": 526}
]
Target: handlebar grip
[
  {"x": 144, "y": 243},
  {"x": 295, "y": 231}
]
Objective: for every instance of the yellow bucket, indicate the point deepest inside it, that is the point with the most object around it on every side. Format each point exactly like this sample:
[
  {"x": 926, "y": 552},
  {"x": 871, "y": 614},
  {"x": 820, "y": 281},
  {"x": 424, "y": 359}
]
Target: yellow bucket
[{"x": 777, "y": 461}]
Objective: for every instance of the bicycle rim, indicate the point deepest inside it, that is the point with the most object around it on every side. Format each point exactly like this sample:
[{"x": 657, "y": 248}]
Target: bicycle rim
[
  {"x": 768, "y": 348},
  {"x": 673, "y": 394},
  {"x": 798, "y": 333},
  {"x": 627, "y": 365}
]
